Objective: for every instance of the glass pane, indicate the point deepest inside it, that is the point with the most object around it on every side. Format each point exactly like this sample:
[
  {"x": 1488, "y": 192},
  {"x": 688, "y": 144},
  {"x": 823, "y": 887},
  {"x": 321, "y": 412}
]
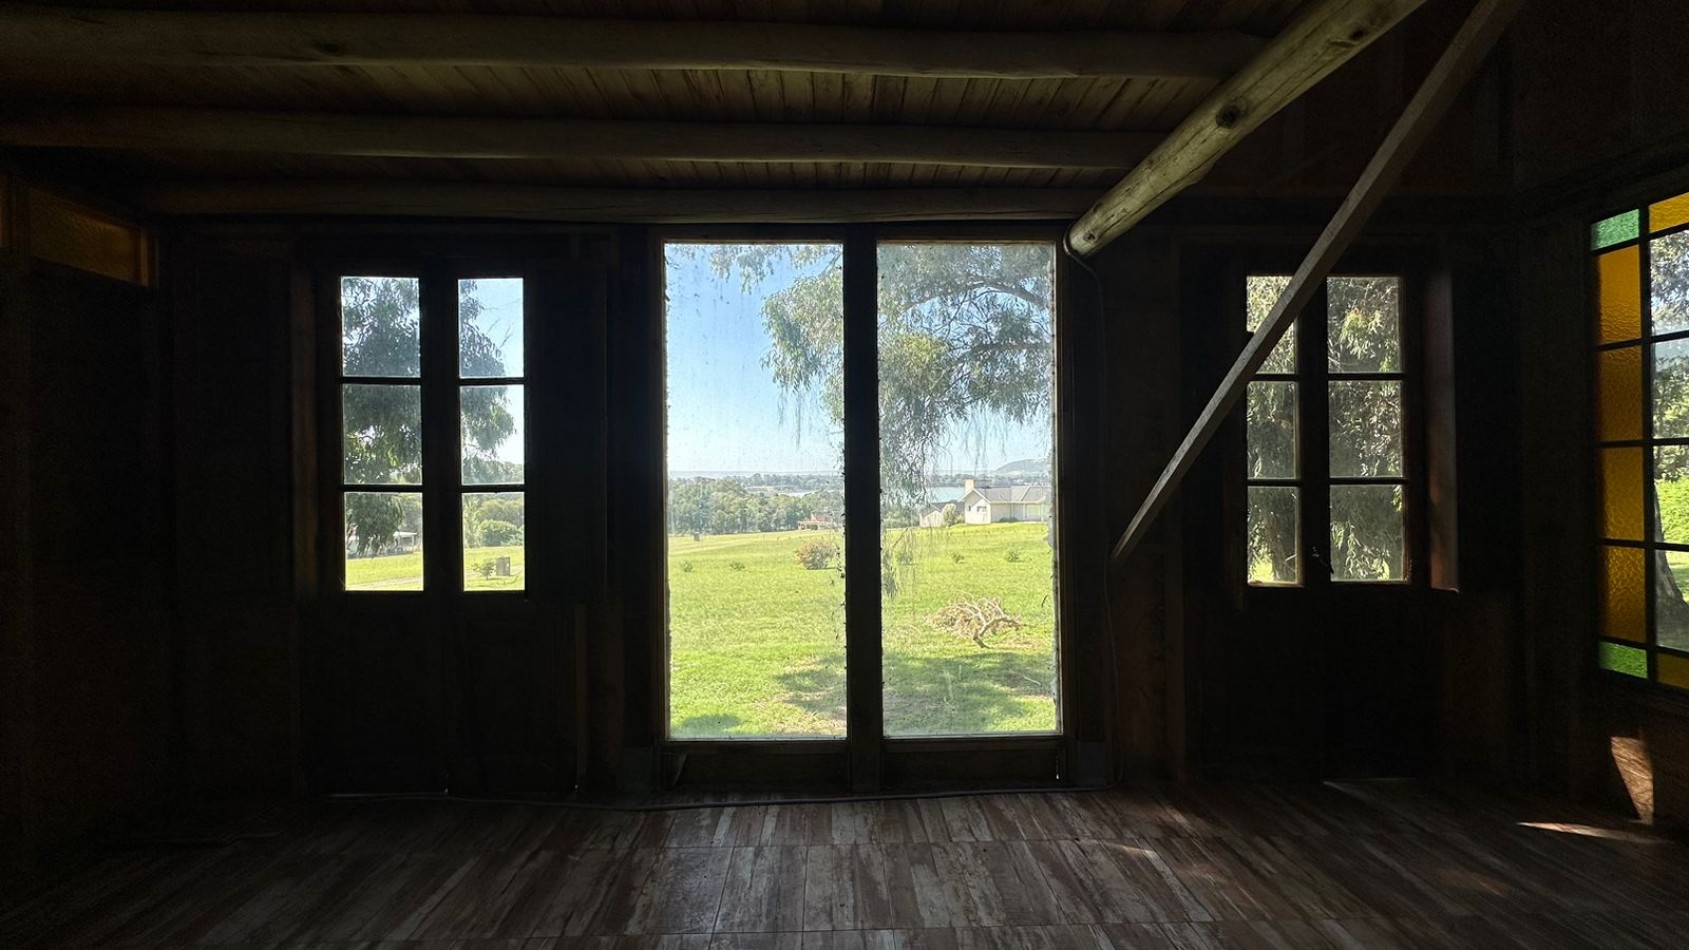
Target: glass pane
[
  {"x": 1668, "y": 213},
  {"x": 1366, "y": 533},
  {"x": 1668, "y": 259},
  {"x": 1618, "y": 279},
  {"x": 1615, "y": 230},
  {"x": 382, "y": 434},
  {"x": 1671, "y": 494},
  {"x": 1272, "y": 430},
  {"x": 1263, "y": 291},
  {"x": 383, "y": 540},
  {"x": 494, "y": 546},
  {"x": 1671, "y": 614},
  {"x": 1619, "y": 394},
  {"x": 493, "y": 447},
  {"x": 1621, "y": 494},
  {"x": 1623, "y": 599},
  {"x": 378, "y": 326},
  {"x": 1671, "y": 389},
  {"x": 489, "y": 327},
  {"x": 967, "y": 551},
  {"x": 1621, "y": 659},
  {"x": 1366, "y": 429},
  {"x": 1274, "y": 514},
  {"x": 755, "y": 490},
  {"x": 1672, "y": 670},
  {"x": 1363, "y": 317}
]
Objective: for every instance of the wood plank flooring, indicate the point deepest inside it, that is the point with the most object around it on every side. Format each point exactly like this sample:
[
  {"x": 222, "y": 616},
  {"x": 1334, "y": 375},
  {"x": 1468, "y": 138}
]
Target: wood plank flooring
[{"x": 1369, "y": 865}]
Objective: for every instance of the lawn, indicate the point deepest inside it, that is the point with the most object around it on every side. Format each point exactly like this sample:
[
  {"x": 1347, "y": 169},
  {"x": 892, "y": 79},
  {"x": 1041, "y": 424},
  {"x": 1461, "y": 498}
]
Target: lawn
[
  {"x": 757, "y": 641},
  {"x": 404, "y": 571}
]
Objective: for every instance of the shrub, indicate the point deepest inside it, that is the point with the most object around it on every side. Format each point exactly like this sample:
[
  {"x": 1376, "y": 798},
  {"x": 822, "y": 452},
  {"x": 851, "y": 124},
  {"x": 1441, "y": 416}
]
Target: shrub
[
  {"x": 951, "y": 515},
  {"x": 1009, "y": 520},
  {"x": 735, "y": 565},
  {"x": 1012, "y": 555},
  {"x": 497, "y": 534},
  {"x": 485, "y": 568},
  {"x": 814, "y": 555},
  {"x": 956, "y": 557},
  {"x": 685, "y": 567}
]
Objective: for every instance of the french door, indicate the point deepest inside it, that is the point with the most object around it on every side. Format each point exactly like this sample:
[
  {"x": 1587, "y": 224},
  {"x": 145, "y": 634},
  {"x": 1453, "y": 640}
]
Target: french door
[{"x": 859, "y": 500}]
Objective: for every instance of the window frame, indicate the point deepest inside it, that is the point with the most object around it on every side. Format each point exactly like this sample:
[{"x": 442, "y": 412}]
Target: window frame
[
  {"x": 441, "y": 486},
  {"x": 865, "y": 755},
  {"x": 1411, "y": 266},
  {"x": 1642, "y": 204}
]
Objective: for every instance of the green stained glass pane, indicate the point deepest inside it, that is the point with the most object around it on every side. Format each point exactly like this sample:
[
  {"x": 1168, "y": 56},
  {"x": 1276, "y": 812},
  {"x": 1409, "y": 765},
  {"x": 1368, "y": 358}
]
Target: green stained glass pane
[
  {"x": 1621, "y": 659},
  {"x": 1615, "y": 230}
]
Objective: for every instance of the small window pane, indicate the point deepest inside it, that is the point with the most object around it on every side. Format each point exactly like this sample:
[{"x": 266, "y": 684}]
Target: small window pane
[
  {"x": 1619, "y": 387},
  {"x": 1364, "y": 324},
  {"x": 1621, "y": 494},
  {"x": 1672, "y": 670},
  {"x": 1274, "y": 513},
  {"x": 1618, "y": 277},
  {"x": 1615, "y": 230},
  {"x": 381, "y": 428},
  {"x": 1272, "y": 430},
  {"x": 1671, "y": 494},
  {"x": 383, "y": 540},
  {"x": 1621, "y": 659},
  {"x": 1668, "y": 213},
  {"x": 379, "y": 322},
  {"x": 1263, "y": 292},
  {"x": 1671, "y": 389},
  {"x": 494, "y": 541},
  {"x": 1366, "y": 429},
  {"x": 1366, "y": 533},
  {"x": 489, "y": 320},
  {"x": 1623, "y": 599},
  {"x": 1668, "y": 259},
  {"x": 494, "y": 452},
  {"x": 1671, "y": 614}
]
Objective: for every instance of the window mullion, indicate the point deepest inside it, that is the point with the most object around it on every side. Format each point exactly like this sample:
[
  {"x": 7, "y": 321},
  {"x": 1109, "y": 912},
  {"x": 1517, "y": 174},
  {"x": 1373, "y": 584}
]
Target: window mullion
[
  {"x": 865, "y": 716},
  {"x": 442, "y": 560}
]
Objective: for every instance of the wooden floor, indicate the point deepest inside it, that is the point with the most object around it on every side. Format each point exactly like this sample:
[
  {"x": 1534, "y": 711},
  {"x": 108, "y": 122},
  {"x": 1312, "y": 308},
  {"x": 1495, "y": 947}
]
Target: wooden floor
[{"x": 1367, "y": 865}]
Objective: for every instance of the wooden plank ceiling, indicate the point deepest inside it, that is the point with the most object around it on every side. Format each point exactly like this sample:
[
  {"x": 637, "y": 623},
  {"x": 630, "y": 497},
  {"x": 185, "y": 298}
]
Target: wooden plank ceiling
[{"x": 681, "y": 95}]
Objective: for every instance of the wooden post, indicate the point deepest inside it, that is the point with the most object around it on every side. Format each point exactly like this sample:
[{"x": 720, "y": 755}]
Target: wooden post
[
  {"x": 1324, "y": 38},
  {"x": 1465, "y": 53}
]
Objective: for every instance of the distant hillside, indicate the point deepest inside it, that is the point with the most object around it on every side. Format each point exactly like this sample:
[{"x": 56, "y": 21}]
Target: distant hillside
[{"x": 1023, "y": 465}]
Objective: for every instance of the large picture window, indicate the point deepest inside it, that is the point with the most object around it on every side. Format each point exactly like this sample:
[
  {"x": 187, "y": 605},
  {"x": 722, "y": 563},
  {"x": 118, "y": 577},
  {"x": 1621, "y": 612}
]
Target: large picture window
[
  {"x": 760, "y": 377},
  {"x": 1640, "y": 309}
]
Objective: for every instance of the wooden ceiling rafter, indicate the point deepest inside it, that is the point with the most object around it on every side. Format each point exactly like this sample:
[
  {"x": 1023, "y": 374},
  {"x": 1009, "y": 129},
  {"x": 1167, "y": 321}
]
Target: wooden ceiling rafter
[
  {"x": 467, "y": 137},
  {"x": 237, "y": 38}
]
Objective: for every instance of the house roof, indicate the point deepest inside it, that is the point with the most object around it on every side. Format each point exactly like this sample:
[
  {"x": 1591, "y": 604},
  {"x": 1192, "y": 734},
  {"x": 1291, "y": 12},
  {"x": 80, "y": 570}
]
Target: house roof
[{"x": 1015, "y": 494}]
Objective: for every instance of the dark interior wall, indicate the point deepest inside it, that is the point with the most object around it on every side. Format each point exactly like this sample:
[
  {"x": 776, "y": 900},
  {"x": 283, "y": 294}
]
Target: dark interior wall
[{"x": 85, "y": 568}]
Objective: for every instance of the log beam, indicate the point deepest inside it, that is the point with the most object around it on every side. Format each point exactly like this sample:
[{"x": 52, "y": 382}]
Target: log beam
[
  {"x": 217, "y": 130},
  {"x": 1465, "y": 53},
  {"x": 215, "y": 38},
  {"x": 607, "y": 205},
  {"x": 1328, "y": 35}
]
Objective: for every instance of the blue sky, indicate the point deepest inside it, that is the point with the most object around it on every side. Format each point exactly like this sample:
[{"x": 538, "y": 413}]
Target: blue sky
[{"x": 726, "y": 414}]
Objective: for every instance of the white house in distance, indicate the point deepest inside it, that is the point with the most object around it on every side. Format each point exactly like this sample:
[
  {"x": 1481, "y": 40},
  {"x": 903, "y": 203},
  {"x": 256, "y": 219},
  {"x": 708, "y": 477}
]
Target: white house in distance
[{"x": 987, "y": 505}]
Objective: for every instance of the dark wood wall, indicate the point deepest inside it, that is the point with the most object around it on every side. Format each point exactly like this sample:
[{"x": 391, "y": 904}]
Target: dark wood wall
[{"x": 86, "y": 600}]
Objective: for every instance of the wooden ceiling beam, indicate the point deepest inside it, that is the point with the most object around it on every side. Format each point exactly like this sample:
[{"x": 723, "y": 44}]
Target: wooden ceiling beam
[
  {"x": 1325, "y": 37},
  {"x": 1453, "y": 70},
  {"x": 607, "y": 205},
  {"x": 218, "y": 38},
  {"x": 500, "y": 138}
]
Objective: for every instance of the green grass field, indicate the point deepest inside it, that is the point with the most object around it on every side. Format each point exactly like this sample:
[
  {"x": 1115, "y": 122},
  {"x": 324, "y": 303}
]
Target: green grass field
[
  {"x": 757, "y": 649},
  {"x": 404, "y": 571}
]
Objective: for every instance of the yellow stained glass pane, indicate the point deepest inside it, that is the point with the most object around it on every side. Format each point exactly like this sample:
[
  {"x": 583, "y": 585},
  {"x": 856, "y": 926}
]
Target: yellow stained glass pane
[
  {"x": 1668, "y": 213},
  {"x": 1621, "y": 494},
  {"x": 1618, "y": 280},
  {"x": 1618, "y": 410},
  {"x": 1624, "y": 614},
  {"x": 1671, "y": 670}
]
